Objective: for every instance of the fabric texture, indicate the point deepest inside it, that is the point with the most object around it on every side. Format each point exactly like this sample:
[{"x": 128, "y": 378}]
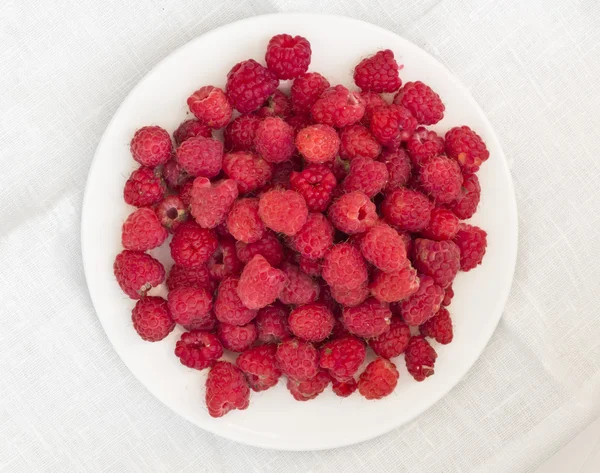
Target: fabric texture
[{"x": 68, "y": 403}]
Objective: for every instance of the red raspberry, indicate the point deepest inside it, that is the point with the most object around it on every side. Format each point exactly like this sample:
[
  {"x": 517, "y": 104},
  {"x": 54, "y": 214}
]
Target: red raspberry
[
  {"x": 316, "y": 184},
  {"x": 200, "y": 156},
  {"x": 367, "y": 176},
  {"x": 283, "y": 211},
  {"x": 301, "y": 288},
  {"x": 281, "y": 176},
  {"x": 407, "y": 210},
  {"x": 268, "y": 246},
  {"x": 342, "y": 357},
  {"x": 353, "y": 213},
  {"x": 344, "y": 267},
  {"x": 271, "y": 323},
  {"x": 422, "y": 101},
  {"x": 358, "y": 142},
  {"x": 151, "y": 146},
  {"x": 206, "y": 324},
  {"x": 369, "y": 319},
  {"x": 420, "y": 358},
  {"x": 311, "y": 267},
  {"x": 443, "y": 225},
  {"x": 311, "y": 322},
  {"x": 424, "y": 303},
  {"x": 297, "y": 122},
  {"x": 239, "y": 134},
  {"x": 393, "y": 342},
  {"x": 224, "y": 261},
  {"x": 441, "y": 178},
  {"x": 318, "y": 143},
  {"x": 378, "y": 73},
  {"x": 198, "y": 349},
  {"x": 468, "y": 200},
  {"x": 288, "y": 56},
  {"x": 197, "y": 277},
  {"x": 467, "y": 147},
  {"x": 277, "y": 105},
  {"x": 297, "y": 359},
  {"x": 250, "y": 171},
  {"x": 396, "y": 286},
  {"x": 143, "y": 231},
  {"x": 339, "y": 168},
  {"x": 260, "y": 367},
  {"x": 306, "y": 89},
  {"x": 228, "y": 306},
  {"x": 315, "y": 238},
  {"x": 383, "y": 247},
  {"x": 210, "y": 202},
  {"x": 448, "y": 295},
  {"x": 186, "y": 192},
  {"x": 171, "y": 212},
  {"x": 339, "y": 329},
  {"x": 193, "y": 246},
  {"x": 439, "y": 327},
  {"x": 408, "y": 243},
  {"x": 438, "y": 259},
  {"x": 398, "y": 166},
  {"x": 210, "y": 105},
  {"x": 189, "y": 129},
  {"x": 260, "y": 284},
  {"x": 310, "y": 388},
  {"x": 379, "y": 379},
  {"x": 189, "y": 304},
  {"x": 237, "y": 338},
  {"x": 137, "y": 273},
  {"x": 392, "y": 124},
  {"x": 173, "y": 174},
  {"x": 472, "y": 242},
  {"x": 243, "y": 221},
  {"x": 144, "y": 187},
  {"x": 372, "y": 101},
  {"x": 423, "y": 145},
  {"x": 249, "y": 85},
  {"x": 226, "y": 389},
  {"x": 151, "y": 319},
  {"x": 350, "y": 297},
  {"x": 345, "y": 388},
  {"x": 338, "y": 107},
  {"x": 274, "y": 140}
]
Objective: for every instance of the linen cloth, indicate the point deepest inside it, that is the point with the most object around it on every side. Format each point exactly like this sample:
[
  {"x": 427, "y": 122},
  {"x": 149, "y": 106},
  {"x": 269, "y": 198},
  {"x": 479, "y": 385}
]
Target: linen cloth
[{"x": 68, "y": 403}]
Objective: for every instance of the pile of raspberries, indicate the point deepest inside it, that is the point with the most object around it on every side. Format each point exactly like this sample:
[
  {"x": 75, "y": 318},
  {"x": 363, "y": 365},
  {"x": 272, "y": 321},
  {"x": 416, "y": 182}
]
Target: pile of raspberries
[{"x": 326, "y": 221}]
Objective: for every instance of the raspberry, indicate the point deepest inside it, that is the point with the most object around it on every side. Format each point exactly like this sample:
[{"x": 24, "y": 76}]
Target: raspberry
[
  {"x": 228, "y": 306},
  {"x": 443, "y": 225},
  {"x": 339, "y": 168},
  {"x": 198, "y": 349},
  {"x": 395, "y": 286},
  {"x": 142, "y": 231},
  {"x": 356, "y": 141},
  {"x": 151, "y": 319},
  {"x": 260, "y": 367},
  {"x": 283, "y": 211},
  {"x": 239, "y": 134},
  {"x": 467, "y": 147},
  {"x": 311, "y": 322},
  {"x": 171, "y": 212},
  {"x": 271, "y": 323},
  {"x": 408, "y": 243},
  {"x": 392, "y": 124},
  {"x": 318, "y": 143},
  {"x": 439, "y": 327},
  {"x": 288, "y": 56},
  {"x": 314, "y": 238},
  {"x": 339, "y": 329},
  {"x": 274, "y": 140},
  {"x": 306, "y": 89},
  {"x": 144, "y": 187},
  {"x": 342, "y": 357},
  {"x": 297, "y": 359},
  {"x": 393, "y": 342},
  {"x": 226, "y": 389},
  {"x": 369, "y": 319},
  {"x": 424, "y": 303},
  {"x": 151, "y": 146},
  {"x": 277, "y": 105},
  {"x": 316, "y": 184},
  {"x": 260, "y": 284},
  {"x": 224, "y": 261},
  {"x": 379, "y": 379},
  {"x": 297, "y": 122},
  {"x": 186, "y": 192},
  {"x": 211, "y": 106},
  {"x": 210, "y": 202},
  {"x": 383, "y": 247},
  {"x": 398, "y": 166},
  {"x": 197, "y": 277},
  {"x": 310, "y": 266},
  {"x": 251, "y": 172},
  {"x": 173, "y": 174},
  {"x": 422, "y": 101},
  {"x": 353, "y": 213},
  {"x": 367, "y": 176},
  {"x": 344, "y": 388},
  {"x": 344, "y": 267},
  {"x": 423, "y": 145},
  {"x": 249, "y": 84},
  {"x": 281, "y": 176},
  {"x": 471, "y": 241},
  {"x": 243, "y": 221},
  {"x": 338, "y": 107},
  {"x": 438, "y": 259},
  {"x": 200, "y": 156},
  {"x": 206, "y": 324},
  {"x": 407, "y": 210},
  {"x": 441, "y": 178},
  {"x": 192, "y": 246},
  {"x": 350, "y": 297},
  {"x": 468, "y": 200},
  {"x": 372, "y": 101},
  {"x": 420, "y": 358},
  {"x": 189, "y": 304},
  {"x": 448, "y": 296},
  {"x": 301, "y": 288},
  {"x": 310, "y": 388},
  {"x": 137, "y": 273},
  {"x": 189, "y": 129},
  {"x": 237, "y": 338},
  {"x": 268, "y": 246},
  {"x": 378, "y": 73}
]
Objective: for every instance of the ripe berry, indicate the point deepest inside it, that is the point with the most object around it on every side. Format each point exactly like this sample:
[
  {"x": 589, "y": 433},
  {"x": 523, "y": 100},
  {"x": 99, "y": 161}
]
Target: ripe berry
[
  {"x": 144, "y": 187},
  {"x": 420, "y": 358},
  {"x": 243, "y": 221},
  {"x": 395, "y": 286},
  {"x": 137, "y": 273},
  {"x": 249, "y": 84},
  {"x": 312, "y": 322},
  {"x": 260, "y": 367},
  {"x": 268, "y": 246},
  {"x": 297, "y": 359},
  {"x": 344, "y": 267},
  {"x": 406, "y": 209},
  {"x": 198, "y": 349},
  {"x": 467, "y": 147},
  {"x": 378, "y": 380},
  {"x": 438, "y": 259},
  {"x": 338, "y": 107},
  {"x": 439, "y": 327},
  {"x": 310, "y": 388},
  {"x": 283, "y": 211},
  {"x": 274, "y": 140},
  {"x": 393, "y": 342},
  {"x": 260, "y": 284},
  {"x": 424, "y": 303},
  {"x": 200, "y": 156},
  {"x": 422, "y": 101},
  {"x": 151, "y": 319},
  {"x": 318, "y": 143},
  {"x": 288, "y": 56},
  {"x": 226, "y": 389},
  {"x": 305, "y": 91},
  {"x": 353, "y": 213},
  {"x": 378, "y": 73},
  {"x": 151, "y": 146},
  {"x": 316, "y": 184},
  {"x": 189, "y": 129},
  {"x": 342, "y": 357},
  {"x": 472, "y": 242},
  {"x": 315, "y": 238},
  {"x": 211, "y": 106},
  {"x": 228, "y": 305},
  {"x": 237, "y": 338},
  {"x": 271, "y": 323},
  {"x": 142, "y": 231},
  {"x": 250, "y": 171},
  {"x": 300, "y": 289}
]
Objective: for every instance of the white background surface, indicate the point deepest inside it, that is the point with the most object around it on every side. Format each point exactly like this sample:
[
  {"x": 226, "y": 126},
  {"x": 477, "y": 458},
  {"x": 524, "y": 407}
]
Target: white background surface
[{"x": 67, "y": 403}]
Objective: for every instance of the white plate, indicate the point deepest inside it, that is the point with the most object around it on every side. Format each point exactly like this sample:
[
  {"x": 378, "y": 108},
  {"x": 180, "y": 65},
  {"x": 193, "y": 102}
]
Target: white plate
[{"x": 274, "y": 419}]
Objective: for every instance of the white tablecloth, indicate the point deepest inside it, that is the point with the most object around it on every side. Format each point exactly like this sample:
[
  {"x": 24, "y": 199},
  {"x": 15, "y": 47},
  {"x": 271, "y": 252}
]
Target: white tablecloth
[{"x": 67, "y": 402}]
